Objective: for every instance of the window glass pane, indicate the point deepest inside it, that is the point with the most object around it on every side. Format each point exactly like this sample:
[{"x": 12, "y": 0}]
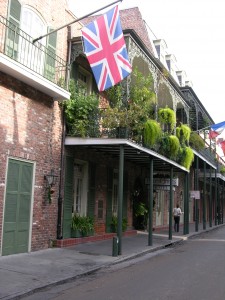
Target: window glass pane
[{"x": 78, "y": 187}]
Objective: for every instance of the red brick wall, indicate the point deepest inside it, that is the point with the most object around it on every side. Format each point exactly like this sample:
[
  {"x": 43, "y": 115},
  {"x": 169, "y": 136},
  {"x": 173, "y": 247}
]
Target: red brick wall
[
  {"x": 30, "y": 129},
  {"x": 3, "y": 7}
]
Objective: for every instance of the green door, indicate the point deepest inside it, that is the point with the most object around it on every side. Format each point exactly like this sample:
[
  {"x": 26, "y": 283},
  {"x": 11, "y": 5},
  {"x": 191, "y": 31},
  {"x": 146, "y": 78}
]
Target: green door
[{"x": 17, "y": 207}]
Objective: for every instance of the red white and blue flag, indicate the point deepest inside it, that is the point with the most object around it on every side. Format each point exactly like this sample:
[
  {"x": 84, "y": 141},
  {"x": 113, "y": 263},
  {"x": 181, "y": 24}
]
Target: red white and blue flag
[
  {"x": 216, "y": 130},
  {"x": 221, "y": 143},
  {"x": 105, "y": 48}
]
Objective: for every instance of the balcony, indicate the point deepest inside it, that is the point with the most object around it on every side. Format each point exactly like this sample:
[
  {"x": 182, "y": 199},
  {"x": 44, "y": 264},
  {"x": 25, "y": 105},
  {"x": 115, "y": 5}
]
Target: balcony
[{"x": 33, "y": 64}]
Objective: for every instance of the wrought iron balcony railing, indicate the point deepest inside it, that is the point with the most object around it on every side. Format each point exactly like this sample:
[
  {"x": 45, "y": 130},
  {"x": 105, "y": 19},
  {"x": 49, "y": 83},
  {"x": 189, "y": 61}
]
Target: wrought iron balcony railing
[{"x": 19, "y": 46}]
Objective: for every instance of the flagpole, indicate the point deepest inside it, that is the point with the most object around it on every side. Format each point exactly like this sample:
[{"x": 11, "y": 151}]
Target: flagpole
[{"x": 77, "y": 20}]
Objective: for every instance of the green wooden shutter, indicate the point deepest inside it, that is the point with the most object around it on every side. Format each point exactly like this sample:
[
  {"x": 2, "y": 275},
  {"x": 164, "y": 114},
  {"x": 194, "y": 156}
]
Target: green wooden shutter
[
  {"x": 91, "y": 190},
  {"x": 68, "y": 197},
  {"x": 17, "y": 207},
  {"x": 109, "y": 199},
  {"x": 12, "y": 37},
  {"x": 50, "y": 58}
]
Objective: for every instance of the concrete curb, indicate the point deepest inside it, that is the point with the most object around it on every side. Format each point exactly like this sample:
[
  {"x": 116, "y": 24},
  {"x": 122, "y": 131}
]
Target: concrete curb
[{"x": 179, "y": 240}]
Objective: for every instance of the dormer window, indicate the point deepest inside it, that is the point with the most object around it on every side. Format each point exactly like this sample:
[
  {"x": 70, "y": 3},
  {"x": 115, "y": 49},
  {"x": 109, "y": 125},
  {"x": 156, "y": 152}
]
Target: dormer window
[{"x": 161, "y": 46}]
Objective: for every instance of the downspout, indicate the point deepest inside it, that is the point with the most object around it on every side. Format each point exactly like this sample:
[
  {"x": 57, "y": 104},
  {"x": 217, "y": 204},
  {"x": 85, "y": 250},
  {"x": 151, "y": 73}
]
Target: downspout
[{"x": 60, "y": 198}]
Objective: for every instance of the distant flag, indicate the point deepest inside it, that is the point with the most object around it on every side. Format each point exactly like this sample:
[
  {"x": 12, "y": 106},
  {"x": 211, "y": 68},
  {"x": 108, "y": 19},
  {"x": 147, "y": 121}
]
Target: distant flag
[
  {"x": 105, "y": 48},
  {"x": 222, "y": 145},
  {"x": 216, "y": 130}
]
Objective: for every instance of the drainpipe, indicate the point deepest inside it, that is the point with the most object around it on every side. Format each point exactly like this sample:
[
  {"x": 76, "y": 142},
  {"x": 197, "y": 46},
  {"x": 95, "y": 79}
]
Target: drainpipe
[
  {"x": 120, "y": 199},
  {"x": 59, "y": 218},
  {"x": 150, "y": 213},
  {"x": 171, "y": 204},
  {"x": 210, "y": 198},
  {"x": 204, "y": 198},
  {"x": 60, "y": 199},
  {"x": 216, "y": 195},
  {"x": 196, "y": 188},
  {"x": 68, "y": 58}
]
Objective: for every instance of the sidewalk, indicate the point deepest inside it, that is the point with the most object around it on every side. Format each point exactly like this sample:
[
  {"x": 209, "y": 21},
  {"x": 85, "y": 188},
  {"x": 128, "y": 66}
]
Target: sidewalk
[{"x": 25, "y": 273}]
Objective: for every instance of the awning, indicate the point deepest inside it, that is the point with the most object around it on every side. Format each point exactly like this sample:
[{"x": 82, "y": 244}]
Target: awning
[{"x": 133, "y": 152}]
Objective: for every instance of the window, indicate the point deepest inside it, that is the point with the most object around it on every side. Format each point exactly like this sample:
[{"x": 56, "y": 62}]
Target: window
[
  {"x": 115, "y": 193},
  {"x": 30, "y": 55},
  {"x": 80, "y": 188},
  {"x": 84, "y": 80},
  {"x": 26, "y": 24}
]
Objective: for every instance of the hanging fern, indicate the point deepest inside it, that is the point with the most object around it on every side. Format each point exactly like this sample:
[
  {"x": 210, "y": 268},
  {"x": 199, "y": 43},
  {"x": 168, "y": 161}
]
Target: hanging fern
[
  {"x": 167, "y": 116},
  {"x": 169, "y": 146},
  {"x": 186, "y": 157},
  {"x": 183, "y": 133},
  {"x": 152, "y": 132},
  {"x": 174, "y": 146}
]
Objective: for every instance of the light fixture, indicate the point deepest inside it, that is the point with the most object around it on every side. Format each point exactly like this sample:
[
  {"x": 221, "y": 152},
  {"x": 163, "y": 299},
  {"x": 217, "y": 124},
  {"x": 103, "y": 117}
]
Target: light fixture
[{"x": 50, "y": 181}]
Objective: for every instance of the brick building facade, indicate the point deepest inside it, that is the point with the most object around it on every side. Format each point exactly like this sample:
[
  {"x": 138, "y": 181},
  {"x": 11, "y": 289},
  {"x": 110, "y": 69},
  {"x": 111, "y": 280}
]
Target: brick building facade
[{"x": 30, "y": 123}]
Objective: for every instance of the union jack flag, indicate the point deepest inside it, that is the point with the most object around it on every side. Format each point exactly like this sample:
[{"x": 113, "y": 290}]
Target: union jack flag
[{"x": 105, "y": 49}]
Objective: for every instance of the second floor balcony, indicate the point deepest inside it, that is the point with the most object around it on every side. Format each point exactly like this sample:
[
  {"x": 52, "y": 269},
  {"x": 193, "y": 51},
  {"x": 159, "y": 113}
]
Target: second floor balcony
[{"x": 32, "y": 63}]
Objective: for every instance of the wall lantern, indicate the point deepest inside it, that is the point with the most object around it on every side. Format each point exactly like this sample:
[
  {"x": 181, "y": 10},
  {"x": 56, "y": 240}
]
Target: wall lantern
[{"x": 50, "y": 182}]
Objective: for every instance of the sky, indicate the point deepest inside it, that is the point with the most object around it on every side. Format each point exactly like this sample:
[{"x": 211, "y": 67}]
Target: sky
[{"x": 194, "y": 32}]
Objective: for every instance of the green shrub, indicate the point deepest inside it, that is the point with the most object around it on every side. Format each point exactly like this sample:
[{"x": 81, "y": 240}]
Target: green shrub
[
  {"x": 81, "y": 112},
  {"x": 196, "y": 142}
]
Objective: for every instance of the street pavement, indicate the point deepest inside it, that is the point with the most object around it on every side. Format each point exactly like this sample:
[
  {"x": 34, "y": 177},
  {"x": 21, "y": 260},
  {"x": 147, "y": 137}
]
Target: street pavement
[{"x": 26, "y": 273}]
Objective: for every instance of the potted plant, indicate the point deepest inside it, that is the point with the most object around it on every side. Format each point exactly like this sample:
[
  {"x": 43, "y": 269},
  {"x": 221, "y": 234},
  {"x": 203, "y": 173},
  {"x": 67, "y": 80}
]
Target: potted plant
[
  {"x": 115, "y": 222},
  {"x": 87, "y": 226},
  {"x": 76, "y": 226},
  {"x": 141, "y": 215},
  {"x": 82, "y": 226},
  {"x": 81, "y": 112}
]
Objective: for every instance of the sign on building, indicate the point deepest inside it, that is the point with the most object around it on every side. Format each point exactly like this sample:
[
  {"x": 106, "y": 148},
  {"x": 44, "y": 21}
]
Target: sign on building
[
  {"x": 195, "y": 194},
  {"x": 163, "y": 181}
]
